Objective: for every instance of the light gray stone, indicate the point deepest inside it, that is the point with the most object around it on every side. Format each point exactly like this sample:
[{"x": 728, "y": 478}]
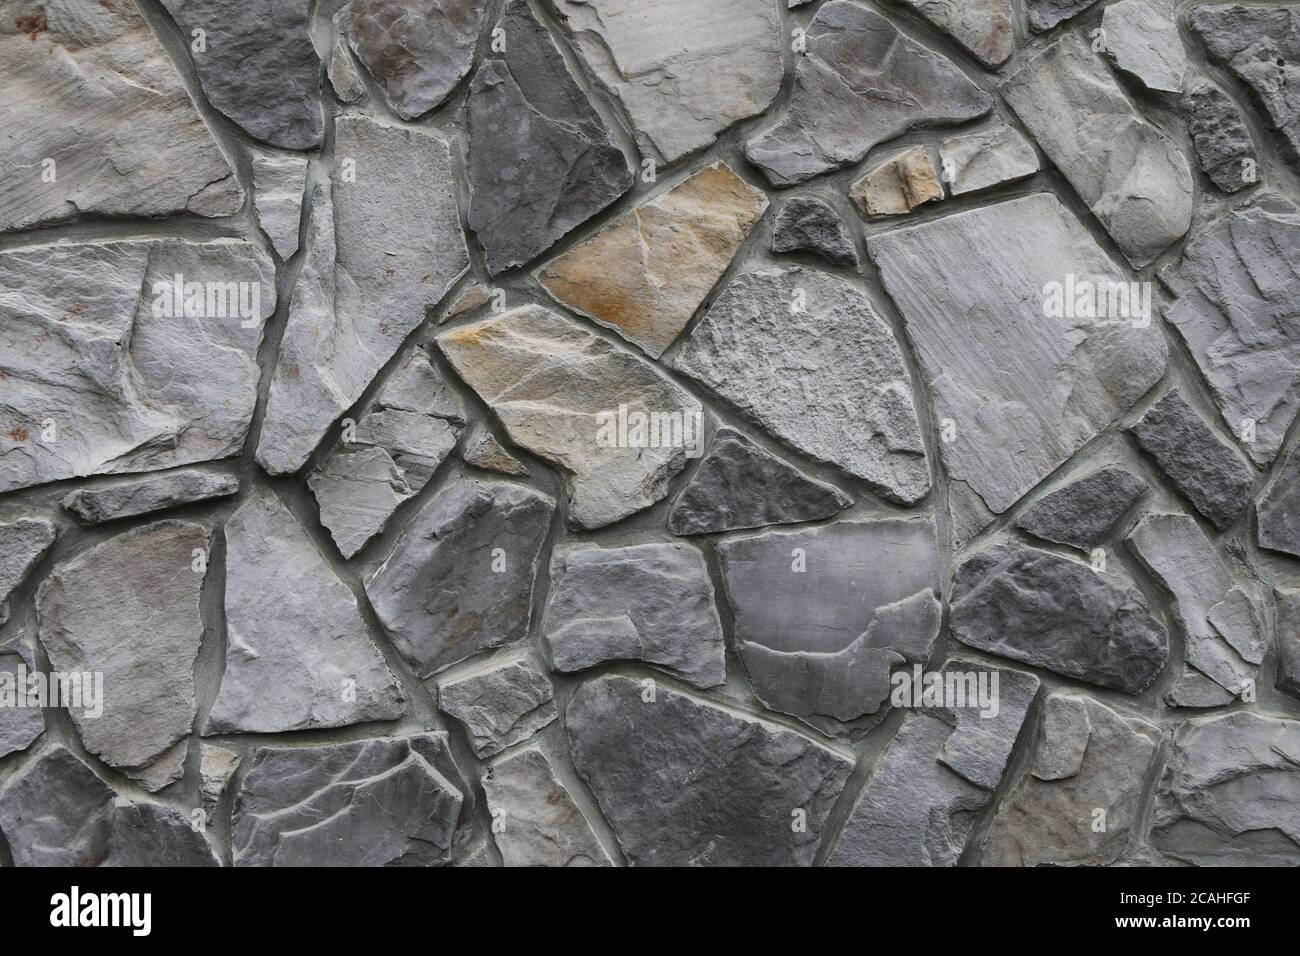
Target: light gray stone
[
  {"x": 139, "y": 496},
  {"x": 989, "y": 157},
  {"x": 1082, "y": 512},
  {"x": 278, "y": 185},
  {"x": 537, "y": 822},
  {"x": 1045, "y": 14},
  {"x": 21, "y": 718},
  {"x": 482, "y": 450},
  {"x": 1278, "y": 510},
  {"x": 22, "y": 545},
  {"x": 500, "y": 704},
  {"x": 216, "y": 766},
  {"x": 987, "y": 28},
  {"x": 344, "y": 75},
  {"x": 1221, "y": 140},
  {"x": 809, "y": 224},
  {"x": 1142, "y": 39}
]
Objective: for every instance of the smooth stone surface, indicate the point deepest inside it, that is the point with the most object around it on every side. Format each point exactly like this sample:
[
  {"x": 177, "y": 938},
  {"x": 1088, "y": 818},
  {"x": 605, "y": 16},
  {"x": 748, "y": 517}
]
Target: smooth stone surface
[
  {"x": 278, "y": 186},
  {"x": 536, "y": 822},
  {"x": 986, "y": 28},
  {"x": 128, "y": 608},
  {"x": 1051, "y": 612},
  {"x": 740, "y": 485},
  {"x": 803, "y": 355},
  {"x": 299, "y": 655},
  {"x": 1278, "y": 510},
  {"x": 646, "y": 273},
  {"x": 1142, "y": 39},
  {"x": 898, "y": 185},
  {"x": 1087, "y": 758},
  {"x": 217, "y": 765},
  {"x": 1132, "y": 176},
  {"x": 19, "y": 726},
  {"x": 394, "y": 801},
  {"x": 480, "y": 543},
  {"x": 482, "y": 450},
  {"x": 1237, "y": 285},
  {"x": 76, "y": 85},
  {"x": 992, "y": 267},
  {"x": 859, "y": 83},
  {"x": 541, "y": 160},
  {"x": 259, "y": 67},
  {"x": 1221, "y": 141},
  {"x": 1080, "y": 513},
  {"x": 649, "y": 602},
  {"x": 989, "y": 157},
  {"x": 553, "y": 384},
  {"x": 22, "y": 545},
  {"x": 474, "y": 295},
  {"x": 1288, "y": 639},
  {"x": 138, "y": 496},
  {"x": 101, "y": 380},
  {"x": 1230, "y": 794},
  {"x": 1045, "y": 14},
  {"x": 1209, "y": 473},
  {"x": 500, "y": 704},
  {"x": 381, "y": 249},
  {"x": 684, "y": 74},
  {"x": 686, "y": 783},
  {"x": 809, "y": 224}
]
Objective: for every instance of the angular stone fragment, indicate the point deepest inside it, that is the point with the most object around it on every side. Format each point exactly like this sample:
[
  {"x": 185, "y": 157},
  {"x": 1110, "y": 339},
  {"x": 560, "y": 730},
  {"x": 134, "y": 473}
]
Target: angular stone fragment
[
  {"x": 1288, "y": 639},
  {"x": 77, "y": 79},
  {"x": 898, "y": 185},
  {"x": 417, "y": 50},
  {"x": 344, "y": 75},
  {"x": 541, "y": 160},
  {"x": 216, "y": 766},
  {"x": 22, "y": 544},
  {"x": 278, "y": 184},
  {"x": 1209, "y": 473},
  {"x": 685, "y": 73},
  {"x": 475, "y": 295},
  {"x": 381, "y": 249},
  {"x": 539, "y": 824},
  {"x": 1080, "y": 513},
  {"x": 648, "y": 602},
  {"x": 860, "y": 83},
  {"x": 558, "y": 388},
  {"x": 984, "y": 27},
  {"x": 1278, "y": 510},
  {"x": 1142, "y": 39},
  {"x": 1223, "y": 640},
  {"x": 128, "y": 609},
  {"x": 108, "y": 367},
  {"x": 499, "y": 704},
  {"x": 57, "y": 812},
  {"x": 740, "y": 485},
  {"x": 973, "y": 291},
  {"x": 298, "y": 653},
  {"x": 1045, "y": 14},
  {"x": 1230, "y": 794},
  {"x": 21, "y": 718},
  {"x": 138, "y": 496},
  {"x": 1221, "y": 140},
  {"x": 1237, "y": 286},
  {"x": 259, "y": 66},
  {"x": 1051, "y": 612},
  {"x": 385, "y": 802},
  {"x": 808, "y": 224},
  {"x": 460, "y": 578},
  {"x": 937, "y": 774},
  {"x": 803, "y": 355},
  {"x": 482, "y": 450},
  {"x": 1087, "y": 759},
  {"x": 822, "y": 616},
  {"x": 990, "y": 157},
  {"x": 1133, "y": 177},
  {"x": 686, "y": 783},
  {"x": 647, "y": 271}
]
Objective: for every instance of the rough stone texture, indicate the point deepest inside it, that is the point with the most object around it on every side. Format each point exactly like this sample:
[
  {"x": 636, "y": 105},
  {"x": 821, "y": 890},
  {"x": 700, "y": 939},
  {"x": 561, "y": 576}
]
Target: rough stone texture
[
  {"x": 647, "y": 271},
  {"x": 539, "y": 824},
  {"x": 128, "y": 609},
  {"x": 417, "y": 50},
  {"x": 482, "y": 450},
  {"x": 898, "y": 185},
  {"x": 298, "y": 653},
  {"x": 139, "y": 496},
  {"x": 822, "y": 616},
  {"x": 1288, "y": 639},
  {"x": 549, "y": 381},
  {"x": 100, "y": 379},
  {"x": 1082, "y": 512},
  {"x": 740, "y": 485},
  {"x": 480, "y": 543},
  {"x": 541, "y": 160},
  {"x": 216, "y": 766},
  {"x": 1209, "y": 473},
  {"x": 381, "y": 250},
  {"x": 1133, "y": 177},
  {"x": 802, "y": 354},
  {"x": 648, "y": 602},
  {"x": 22, "y": 545},
  {"x": 860, "y": 83},
  {"x": 278, "y": 184},
  {"x": 809, "y": 224},
  {"x": 500, "y": 704},
  {"x": 1223, "y": 638},
  {"x": 937, "y": 774},
  {"x": 1142, "y": 39},
  {"x": 1278, "y": 510},
  {"x": 386, "y": 802},
  {"x": 19, "y": 726},
  {"x": 1087, "y": 758},
  {"x": 49, "y": 51},
  {"x": 990, "y": 157},
  {"x": 1221, "y": 140},
  {"x": 1237, "y": 285},
  {"x": 1230, "y": 794},
  {"x": 259, "y": 67},
  {"x": 57, "y": 812},
  {"x": 987, "y": 28},
  {"x": 684, "y": 74},
  {"x": 1045, "y": 14},
  {"x": 1051, "y": 612},
  {"x": 475, "y": 294},
  {"x": 1073, "y": 376},
  {"x": 685, "y": 783},
  {"x": 344, "y": 75}
]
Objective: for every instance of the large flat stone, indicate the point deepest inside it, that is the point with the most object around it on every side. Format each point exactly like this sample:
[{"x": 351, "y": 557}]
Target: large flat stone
[
  {"x": 1278, "y": 510},
  {"x": 22, "y": 545},
  {"x": 139, "y": 496},
  {"x": 1142, "y": 39},
  {"x": 535, "y": 821},
  {"x": 500, "y": 704}
]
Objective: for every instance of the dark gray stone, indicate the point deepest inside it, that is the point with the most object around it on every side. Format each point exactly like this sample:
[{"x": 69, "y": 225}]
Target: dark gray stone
[
  {"x": 22, "y": 544},
  {"x": 1081, "y": 513},
  {"x": 1278, "y": 509},
  {"x": 19, "y": 725},
  {"x": 1221, "y": 139},
  {"x": 126, "y": 499},
  {"x": 808, "y": 224},
  {"x": 1045, "y": 14},
  {"x": 500, "y": 704},
  {"x": 1288, "y": 639}
]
